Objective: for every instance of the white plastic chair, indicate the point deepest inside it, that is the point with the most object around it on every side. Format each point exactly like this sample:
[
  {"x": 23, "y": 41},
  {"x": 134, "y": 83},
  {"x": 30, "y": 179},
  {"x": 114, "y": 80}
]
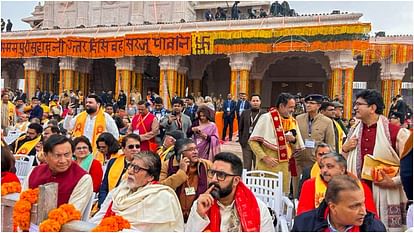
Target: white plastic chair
[
  {"x": 23, "y": 166},
  {"x": 267, "y": 186}
]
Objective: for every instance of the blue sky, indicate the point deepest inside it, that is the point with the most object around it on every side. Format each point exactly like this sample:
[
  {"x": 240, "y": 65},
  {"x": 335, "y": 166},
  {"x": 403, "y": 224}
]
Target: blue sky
[{"x": 393, "y": 17}]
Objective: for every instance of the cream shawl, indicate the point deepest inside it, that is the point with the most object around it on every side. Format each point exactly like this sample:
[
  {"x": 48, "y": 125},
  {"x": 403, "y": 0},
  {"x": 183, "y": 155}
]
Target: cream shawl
[
  {"x": 153, "y": 207},
  {"x": 388, "y": 201},
  {"x": 265, "y": 132}
]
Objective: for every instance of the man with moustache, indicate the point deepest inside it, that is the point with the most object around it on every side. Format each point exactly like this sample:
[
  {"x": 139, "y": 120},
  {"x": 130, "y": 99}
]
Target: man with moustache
[
  {"x": 177, "y": 120},
  {"x": 118, "y": 165},
  {"x": 248, "y": 120},
  {"x": 146, "y": 125},
  {"x": 276, "y": 138},
  {"x": 342, "y": 210},
  {"x": 74, "y": 183},
  {"x": 186, "y": 173},
  {"x": 314, "y": 128},
  {"x": 328, "y": 110},
  {"x": 313, "y": 190},
  {"x": 145, "y": 204},
  {"x": 91, "y": 122},
  {"x": 228, "y": 205}
]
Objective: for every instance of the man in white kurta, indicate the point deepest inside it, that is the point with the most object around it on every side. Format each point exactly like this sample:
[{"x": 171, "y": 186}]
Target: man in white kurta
[
  {"x": 146, "y": 205},
  {"x": 93, "y": 105}
]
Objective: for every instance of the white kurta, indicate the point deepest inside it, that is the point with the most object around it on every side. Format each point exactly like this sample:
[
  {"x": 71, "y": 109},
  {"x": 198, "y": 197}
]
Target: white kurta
[
  {"x": 81, "y": 194},
  {"x": 111, "y": 127},
  {"x": 196, "y": 223},
  {"x": 154, "y": 207}
]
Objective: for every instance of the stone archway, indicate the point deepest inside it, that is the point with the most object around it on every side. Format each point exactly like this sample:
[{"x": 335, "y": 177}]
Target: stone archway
[
  {"x": 294, "y": 74},
  {"x": 216, "y": 77}
]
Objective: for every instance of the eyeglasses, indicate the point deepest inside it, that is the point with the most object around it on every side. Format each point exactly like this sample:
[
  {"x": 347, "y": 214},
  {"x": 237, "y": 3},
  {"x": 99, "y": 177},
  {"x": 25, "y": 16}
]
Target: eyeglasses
[
  {"x": 136, "y": 168},
  {"x": 219, "y": 174},
  {"x": 82, "y": 148},
  {"x": 357, "y": 104},
  {"x": 311, "y": 102},
  {"x": 132, "y": 146},
  {"x": 102, "y": 147},
  {"x": 191, "y": 149}
]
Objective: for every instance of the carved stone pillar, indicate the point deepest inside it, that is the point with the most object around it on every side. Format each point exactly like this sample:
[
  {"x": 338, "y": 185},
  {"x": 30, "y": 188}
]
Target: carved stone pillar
[
  {"x": 31, "y": 75},
  {"x": 67, "y": 66},
  {"x": 391, "y": 81},
  {"x": 168, "y": 77},
  {"x": 182, "y": 81},
  {"x": 240, "y": 73},
  {"x": 84, "y": 70},
  {"x": 124, "y": 69},
  {"x": 341, "y": 80},
  {"x": 138, "y": 75}
]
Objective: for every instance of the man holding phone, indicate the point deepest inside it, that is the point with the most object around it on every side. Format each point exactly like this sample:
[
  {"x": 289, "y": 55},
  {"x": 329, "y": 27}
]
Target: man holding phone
[
  {"x": 228, "y": 205},
  {"x": 176, "y": 120},
  {"x": 186, "y": 173},
  {"x": 91, "y": 122}
]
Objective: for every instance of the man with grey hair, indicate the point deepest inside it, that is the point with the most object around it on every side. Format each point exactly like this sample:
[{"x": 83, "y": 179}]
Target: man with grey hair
[
  {"x": 145, "y": 204},
  {"x": 186, "y": 173},
  {"x": 343, "y": 209},
  {"x": 313, "y": 191},
  {"x": 311, "y": 172}
]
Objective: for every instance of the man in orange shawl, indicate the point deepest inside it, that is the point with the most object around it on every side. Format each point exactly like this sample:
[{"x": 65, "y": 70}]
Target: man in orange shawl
[
  {"x": 228, "y": 205},
  {"x": 91, "y": 122}
]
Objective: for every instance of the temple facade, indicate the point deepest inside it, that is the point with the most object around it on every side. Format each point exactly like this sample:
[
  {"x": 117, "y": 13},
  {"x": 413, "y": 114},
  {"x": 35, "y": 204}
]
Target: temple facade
[{"x": 168, "y": 47}]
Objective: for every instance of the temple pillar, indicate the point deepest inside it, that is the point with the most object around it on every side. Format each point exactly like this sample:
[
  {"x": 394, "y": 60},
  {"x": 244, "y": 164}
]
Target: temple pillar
[
  {"x": 67, "y": 67},
  {"x": 391, "y": 81},
  {"x": 181, "y": 84},
  {"x": 31, "y": 75},
  {"x": 168, "y": 78},
  {"x": 138, "y": 76},
  {"x": 240, "y": 65},
  {"x": 340, "y": 84},
  {"x": 124, "y": 68},
  {"x": 83, "y": 70},
  {"x": 256, "y": 86}
]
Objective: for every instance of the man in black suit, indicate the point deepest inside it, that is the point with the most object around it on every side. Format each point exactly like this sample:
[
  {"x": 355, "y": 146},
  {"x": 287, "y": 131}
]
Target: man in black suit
[
  {"x": 191, "y": 108},
  {"x": 242, "y": 104},
  {"x": 229, "y": 109},
  {"x": 248, "y": 120}
]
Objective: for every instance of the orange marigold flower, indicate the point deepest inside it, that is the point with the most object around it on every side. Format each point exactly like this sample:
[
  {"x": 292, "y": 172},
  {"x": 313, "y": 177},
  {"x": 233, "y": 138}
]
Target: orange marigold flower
[
  {"x": 50, "y": 225},
  {"x": 30, "y": 195},
  {"x": 112, "y": 224},
  {"x": 11, "y": 187},
  {"x": 58, "y": 215},
  {"x": 71, "y": 211}
]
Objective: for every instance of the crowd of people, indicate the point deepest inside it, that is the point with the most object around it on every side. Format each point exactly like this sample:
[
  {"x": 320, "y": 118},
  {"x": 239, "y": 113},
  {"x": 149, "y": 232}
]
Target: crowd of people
[{"x": 163, "y": 169}]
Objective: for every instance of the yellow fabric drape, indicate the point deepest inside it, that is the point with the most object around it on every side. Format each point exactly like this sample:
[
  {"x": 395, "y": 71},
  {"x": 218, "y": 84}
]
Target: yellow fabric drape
[
  {"x": 386, "y": 91},
  {"x": 335, "y": 83},
  {"x": 30, "y": 82},
  {"x": 348, "y": 92},
  {"x": 123, "y": 82}
]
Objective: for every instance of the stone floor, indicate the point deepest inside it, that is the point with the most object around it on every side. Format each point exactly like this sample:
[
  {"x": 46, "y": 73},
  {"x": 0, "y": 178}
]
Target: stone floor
[{"x": 233, "y": 147}]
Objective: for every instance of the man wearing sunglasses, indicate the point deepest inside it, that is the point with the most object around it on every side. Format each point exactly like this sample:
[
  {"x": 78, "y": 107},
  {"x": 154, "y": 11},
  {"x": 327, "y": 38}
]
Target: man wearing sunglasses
[
  {"x": 117, "y": 166},
  {"x": 147, "y": 205},
  {"x": 228, "y": 205},
  {"x": 186, "y": 173}
]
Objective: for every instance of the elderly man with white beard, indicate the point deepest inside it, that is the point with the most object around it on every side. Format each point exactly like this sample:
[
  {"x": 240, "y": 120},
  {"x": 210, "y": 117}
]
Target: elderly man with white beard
[{"x": 145, "y": 204}]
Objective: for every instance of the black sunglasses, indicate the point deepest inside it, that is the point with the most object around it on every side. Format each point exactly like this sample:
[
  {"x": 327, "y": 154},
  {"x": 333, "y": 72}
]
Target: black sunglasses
[
  {"x": 132, "y": 146},
  {"x": 136, "y": 168}
]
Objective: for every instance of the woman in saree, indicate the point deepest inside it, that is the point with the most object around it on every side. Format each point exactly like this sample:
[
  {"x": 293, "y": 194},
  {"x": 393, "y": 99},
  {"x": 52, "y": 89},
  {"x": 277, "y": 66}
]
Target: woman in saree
[
  {"x": 204, "y": 132},
  {"x": 84, "y": 158}
]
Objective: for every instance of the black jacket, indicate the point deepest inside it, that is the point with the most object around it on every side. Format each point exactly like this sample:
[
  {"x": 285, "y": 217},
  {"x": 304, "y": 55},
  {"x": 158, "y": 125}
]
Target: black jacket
[{"x": 313, "y": 221}]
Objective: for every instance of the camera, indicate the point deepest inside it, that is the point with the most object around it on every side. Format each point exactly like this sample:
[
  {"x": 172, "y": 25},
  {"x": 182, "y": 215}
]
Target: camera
[{"x": 173, "y": 113}]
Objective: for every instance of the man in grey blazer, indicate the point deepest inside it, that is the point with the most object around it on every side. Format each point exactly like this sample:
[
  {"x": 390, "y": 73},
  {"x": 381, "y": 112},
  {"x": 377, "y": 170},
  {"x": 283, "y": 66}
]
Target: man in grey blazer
[{"x": 176, "y": 120}]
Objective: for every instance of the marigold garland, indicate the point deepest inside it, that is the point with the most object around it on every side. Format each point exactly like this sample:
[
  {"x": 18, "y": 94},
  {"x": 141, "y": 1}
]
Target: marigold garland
[
  {"x": 22, "y": 208},
  {"x": 10, "y": 187},
  {"x": 112, "y": 224},
  {"x": 59, "y": 216}
]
